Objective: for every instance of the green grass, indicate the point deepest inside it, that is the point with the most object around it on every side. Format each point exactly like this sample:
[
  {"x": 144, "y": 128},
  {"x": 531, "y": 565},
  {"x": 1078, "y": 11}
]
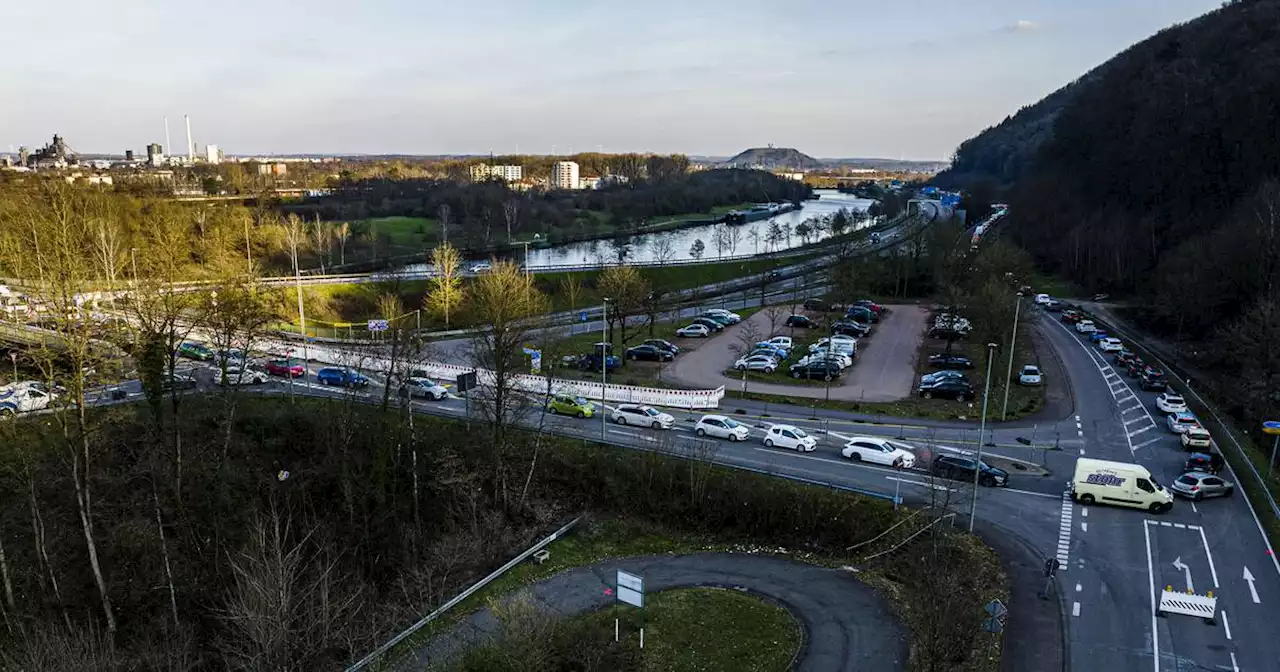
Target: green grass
[
  {"x": 405, "y": 231},
  {"x": 710, "y": 630},
  {"x": 1054, "y": 286}
]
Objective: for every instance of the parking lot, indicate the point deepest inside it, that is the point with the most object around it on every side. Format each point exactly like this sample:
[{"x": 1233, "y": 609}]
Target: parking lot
[{"x": 884, "y": 370}]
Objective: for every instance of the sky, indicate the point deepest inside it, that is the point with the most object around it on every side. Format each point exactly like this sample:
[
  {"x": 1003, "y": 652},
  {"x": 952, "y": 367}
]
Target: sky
[{"x": 832, "y": 78}]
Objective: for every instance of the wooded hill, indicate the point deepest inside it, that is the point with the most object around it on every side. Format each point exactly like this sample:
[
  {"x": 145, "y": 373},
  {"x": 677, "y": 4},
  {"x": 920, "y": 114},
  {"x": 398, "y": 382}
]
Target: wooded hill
[{"x": 1153, "y": 177}]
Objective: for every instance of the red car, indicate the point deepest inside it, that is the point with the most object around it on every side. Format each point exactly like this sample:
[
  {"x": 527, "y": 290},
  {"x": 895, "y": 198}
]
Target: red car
[{"x": 292, "y": 368}]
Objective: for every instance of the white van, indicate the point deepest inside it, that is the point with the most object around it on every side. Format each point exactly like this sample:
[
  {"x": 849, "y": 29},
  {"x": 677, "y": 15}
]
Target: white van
[{"x": 1119, "y": 484}]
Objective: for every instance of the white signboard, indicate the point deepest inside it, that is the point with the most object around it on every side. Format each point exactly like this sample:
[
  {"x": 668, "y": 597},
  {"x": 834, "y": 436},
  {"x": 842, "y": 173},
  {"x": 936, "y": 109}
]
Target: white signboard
[
  {"x": 630, "y": 589},
  {"x": 378, "y": 325}
]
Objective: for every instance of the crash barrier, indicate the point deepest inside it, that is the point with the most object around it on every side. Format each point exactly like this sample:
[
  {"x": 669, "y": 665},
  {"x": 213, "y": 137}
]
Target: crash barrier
[
  {"x": 531, "y": 384},
  {"x": 1188, "y": 604}
]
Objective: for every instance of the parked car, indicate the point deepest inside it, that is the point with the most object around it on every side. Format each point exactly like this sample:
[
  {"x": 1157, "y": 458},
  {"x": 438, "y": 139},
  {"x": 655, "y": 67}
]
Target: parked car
[
  {"x": 649, "y": 353},
  {"x": 1042, "y": 299},
  {"x": 710, "y": 324},
  {"x": 820, "y": 305},
  {"x": 1135, "y": 367},
  {"x": 801, "y": 321},
  {"x": 780, "y": 353},
  {"x": 1123, "y": 358},
  {"x": 729, "y": 315},
  {"x": 1030, "y": 375},
  {"x": 719, "y": 318},
  {"x": 855, "y": 329},
  {"x": 822, "y": 370},
  {"x": 1086, "y": 327},
  {"x": 693, "y": 331},
  {"x": 1197, "y": 485},
  {"x": 875, "y": 307},
  {"x": 1196, "y": 439},
  {"x": 563, "y": 404},
  {"x": 948, "y": 333},
  {"x": 1054, "y": 306},
  {"x": 230, "y": 356},
  {"x": 947, "y": 388},
  {"x": 196, "y": 351},
  {"x": 765, "y": 363},
  {"x": 235, "y": 374},
  {"x": 600, "y": 359},
  {"x": 170, "y": 382},
  {"x": 1110, "y": 345},
  {"x": 945, "y": 361},
  {"x": 877, "y": 450},
  {"x": 790, "y": 436},
  {"x": 861, "y": 314},
  {"x": 840, "y": 359},
  {"x": 958, "y": 468},
  {"x": 341, "y": 376},
  {"x": 1171, "y": 402},
  {"x": 831, "y": 345},
  {"x": 945, "y": 374},
  {"x": 1153, "y": 380},
  {"x": 722, "y": 427},
  {"x": 1181, "y": 422},
  {"x": 291, "y": 368},
  {"x": 663, "y": 344},
  {"x": 783, "y": 342},
  {"x": 423, "y": 388},
  {"x": 643, "y": 416},
  {"x": 1205, "y": 462}
]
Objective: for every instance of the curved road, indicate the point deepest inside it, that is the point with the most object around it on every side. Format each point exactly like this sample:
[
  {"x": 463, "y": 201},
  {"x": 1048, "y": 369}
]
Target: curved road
[{"x": 846, "y": 625}]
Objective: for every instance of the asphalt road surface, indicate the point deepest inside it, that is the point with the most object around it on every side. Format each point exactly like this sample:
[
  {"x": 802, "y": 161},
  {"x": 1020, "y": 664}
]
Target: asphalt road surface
[{"x": 847, "y": 626}]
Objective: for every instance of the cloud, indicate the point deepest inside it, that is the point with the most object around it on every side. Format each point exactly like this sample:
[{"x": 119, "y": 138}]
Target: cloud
[{"x": 1023, "y": 26}]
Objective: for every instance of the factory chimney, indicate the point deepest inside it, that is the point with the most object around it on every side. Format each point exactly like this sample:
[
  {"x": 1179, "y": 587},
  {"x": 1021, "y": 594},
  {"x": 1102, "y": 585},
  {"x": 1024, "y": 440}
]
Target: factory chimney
[
  {"x": 168, "y": 144},
  {"x": 191, "y": 149}
]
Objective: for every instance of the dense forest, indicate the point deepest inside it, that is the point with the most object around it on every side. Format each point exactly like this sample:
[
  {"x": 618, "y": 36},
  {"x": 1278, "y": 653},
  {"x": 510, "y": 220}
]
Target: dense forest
[{"x": 1154, "y": 178}]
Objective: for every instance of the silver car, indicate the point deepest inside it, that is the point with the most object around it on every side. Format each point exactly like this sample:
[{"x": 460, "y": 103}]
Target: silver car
[{"x": 1198, "y": 485}]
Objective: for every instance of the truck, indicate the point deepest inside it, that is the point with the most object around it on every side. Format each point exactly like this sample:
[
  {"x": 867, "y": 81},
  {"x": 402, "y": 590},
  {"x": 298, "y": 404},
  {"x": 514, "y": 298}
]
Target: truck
[
  {"x": 1118, "y": 484},
  {"x": 24, "y": 397}
]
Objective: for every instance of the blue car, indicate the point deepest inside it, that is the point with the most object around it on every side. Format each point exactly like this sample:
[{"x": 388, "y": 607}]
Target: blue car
[
  {"x": 341, "y": 377},
  {"x": 1098, "y": 336},
  {"x": 777, "y": 350}
]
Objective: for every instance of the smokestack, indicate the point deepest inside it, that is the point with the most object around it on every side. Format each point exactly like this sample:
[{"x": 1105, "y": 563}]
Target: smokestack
[
  {"x": 168, "y": 144},
  {"x": 191, "y": 149}
]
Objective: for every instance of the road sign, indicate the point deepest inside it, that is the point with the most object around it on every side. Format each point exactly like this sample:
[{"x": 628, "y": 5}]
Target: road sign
[
  {"x": 582, "y": 316},
  {"x": 630, "y": 589},
  {"x": 996, "y": 609},
  {"x": 378, "y": 325},
  {"x": 1271, "y": 427},
  {"x": 466, "y": 381}
]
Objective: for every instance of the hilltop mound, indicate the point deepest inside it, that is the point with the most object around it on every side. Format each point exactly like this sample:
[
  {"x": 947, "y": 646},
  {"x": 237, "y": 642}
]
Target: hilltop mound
[{"x": 773, "y": 157}]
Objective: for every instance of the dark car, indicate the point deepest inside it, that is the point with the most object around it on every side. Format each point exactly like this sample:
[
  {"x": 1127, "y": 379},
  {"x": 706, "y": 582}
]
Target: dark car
[
  {"x": 945, "y": 374},
  {"x": 1054, "y": 306},
  {"x": 341, "y": 376},
  {"x": 1071, "y": 316},
  {"x": 709, "y": 323},
  {"x": 1153, "y": 380},
  {"x": 856, "y": 329},
  {"x": 958, "y": 468},
  {"x": 1136, "y": 367},
  {"x": 947, "y": 388},
  {"x": 820, "y": 305},
  {"x": 663, "y": 344},
  {"x": 649, "y": 353},
  {"x": 822, "y": 370},
  {"x": 861, "y": 314},
  {"x": 801, "y": 321},
  {"x": 1209, "y": 463},
  {"x": 944, "y": 361},
  {"x": 872, "y": 305},
  {"x": 1123, "y": 358},
  {"x": 170, "y": 382}
]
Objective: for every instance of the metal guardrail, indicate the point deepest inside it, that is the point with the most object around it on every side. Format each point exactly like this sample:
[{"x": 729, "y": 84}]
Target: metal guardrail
[{"x": 378, "y": 652}]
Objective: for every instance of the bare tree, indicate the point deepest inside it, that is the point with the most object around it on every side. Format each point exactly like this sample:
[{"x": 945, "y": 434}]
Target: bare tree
[
  {"x": 343, "y": 233},
  {"x": 320, "y": 241},
  {"x": 629, "y": 292},
  {"x": 663, "y": 249},
  {"x": 511, "y": 213},
  {"x": 445, "y": 214}
]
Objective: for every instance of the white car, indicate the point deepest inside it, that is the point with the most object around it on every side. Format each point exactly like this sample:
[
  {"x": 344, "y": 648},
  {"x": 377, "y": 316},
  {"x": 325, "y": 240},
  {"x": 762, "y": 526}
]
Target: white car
[
  {"x": 783, "y": 342},
  {"x": 733, "y": 317},
  {"x": 876, "y": 450},
  {"x": 693, "y": 331},
  {"x": 845, "y": 361},
  {"x": 1110, "y": 345},
  {"x": 480, "y": 267},
  {"x": 722, "y": 427},
  {"x": 828, "y": 345},
  {"x": 1179, "y": 423},
  {"x": 764, "y": 363},
  {"x": 425, "y": 388},
  {"x": 1086, "y": 327},
  {"x": 644, "y": 416},
  {"x": 1030, "y": 375},
  {"x": 1197, "y": 438},
  {"x": 1171, "y": 402},
  {"x": 790, "y": 436},
  {"x": 234, "y": 375},
  {"x": 1042, "y": 299}
]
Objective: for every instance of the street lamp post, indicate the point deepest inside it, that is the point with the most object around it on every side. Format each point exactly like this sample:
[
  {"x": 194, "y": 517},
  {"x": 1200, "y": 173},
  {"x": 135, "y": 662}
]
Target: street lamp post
[
  {"x": 982, "y": 430},
  {"x": 604, "y": 365},
  {"x": 1013, "y": 339}
]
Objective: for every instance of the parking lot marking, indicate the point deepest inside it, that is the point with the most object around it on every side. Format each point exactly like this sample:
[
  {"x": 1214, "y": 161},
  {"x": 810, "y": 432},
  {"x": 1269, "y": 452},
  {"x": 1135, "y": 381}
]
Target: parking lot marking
[
  {"x": 1135, "y": 420},
  {"x": 1166, "y": 524},
  {"x": 1139, "y": 431},
  {"x": 1146, "y": 443},
  {"x": 1135, "y": 407},
  {"x": 1084, "y": 512},
  {"x": 1079, "y": 587},
  {"x": 1084, "y": 526},
  {"x": 1180, "y": 526},
  {"x": 1234, "y": 667},
  {"x": 1028, "y": 492}
]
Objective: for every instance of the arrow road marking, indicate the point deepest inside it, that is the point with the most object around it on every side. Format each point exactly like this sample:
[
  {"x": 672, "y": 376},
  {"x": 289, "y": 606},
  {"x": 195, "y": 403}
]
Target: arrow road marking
[
  {"x": 1253, "y": 590},
  {"x": 1177, "y": 563}
]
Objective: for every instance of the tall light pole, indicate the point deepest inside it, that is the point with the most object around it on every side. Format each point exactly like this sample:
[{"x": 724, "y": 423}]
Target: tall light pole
[
  {"x": 604, "y": 364},
  {"x": 1013, "y": 339},
  {"x": 982, "y": 430}
]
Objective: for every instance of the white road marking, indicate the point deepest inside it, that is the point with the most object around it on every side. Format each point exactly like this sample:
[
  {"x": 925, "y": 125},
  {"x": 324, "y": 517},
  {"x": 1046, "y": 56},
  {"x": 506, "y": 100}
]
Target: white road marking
[
  {"x": 1193, "y": 507},
  {"x": 1146, "y": 443},
  {"x": 1186, "y": 573},
  {"x": 1079, "y": 587},
  {"x": 1137, "y": 432},
  {"x": 1064, "y": 530},
  {"x": 1133, "y": 421},
  {"x": 1084, "y": 527},
  {"x": 1084, "y": 511},
  {"x": 927, "y": 485},
  {"x": 1075, "y": 609},
  {"x": 1166, "y": 524},
  {"x": 1226, "y": 624},
  {"x": 1234, "y": 667},
  {"x": 1180, "y": 526},
  {"x": 1253, "y": 590},
  {"x": 1135, "y": 407},
  {"x": 1028, "y": 492},
  {"x": 1151, "y": 590},
  {"x": 1209, "y": 555}
]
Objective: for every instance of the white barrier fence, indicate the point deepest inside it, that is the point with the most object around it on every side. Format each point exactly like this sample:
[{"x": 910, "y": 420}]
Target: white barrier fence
[
  {"x": 528, "y": 383},
  {"x": 1188, "y": 604}
]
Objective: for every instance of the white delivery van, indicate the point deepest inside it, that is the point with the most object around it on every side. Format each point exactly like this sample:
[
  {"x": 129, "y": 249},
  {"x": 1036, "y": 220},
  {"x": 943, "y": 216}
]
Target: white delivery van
[{"x": 1119, "y": 484}]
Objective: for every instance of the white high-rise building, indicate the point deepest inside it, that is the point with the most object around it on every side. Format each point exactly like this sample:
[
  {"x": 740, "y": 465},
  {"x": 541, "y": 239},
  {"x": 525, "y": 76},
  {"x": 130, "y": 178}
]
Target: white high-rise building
[
  {"x": 564, "y": 175},
  {"x": 484, "y": 171},
  {"x": 212, "y": 154}
]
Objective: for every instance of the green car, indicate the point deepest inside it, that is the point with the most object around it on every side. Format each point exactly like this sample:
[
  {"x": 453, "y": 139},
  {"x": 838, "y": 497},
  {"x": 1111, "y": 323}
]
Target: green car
[
  {"x": 195, "y": 351},
  {"x": 571, "y": 406}
]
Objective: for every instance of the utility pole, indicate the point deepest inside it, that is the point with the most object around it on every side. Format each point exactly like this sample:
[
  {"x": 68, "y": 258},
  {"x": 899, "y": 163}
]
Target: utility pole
[
  {"x": 1013, "y": 339},
  {"x": 604, "y": 366},
  {"x": 982, "y": 430}
]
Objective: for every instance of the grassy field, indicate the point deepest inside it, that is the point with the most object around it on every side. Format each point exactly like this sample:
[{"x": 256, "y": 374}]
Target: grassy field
[{"x": 412, "y": 232}]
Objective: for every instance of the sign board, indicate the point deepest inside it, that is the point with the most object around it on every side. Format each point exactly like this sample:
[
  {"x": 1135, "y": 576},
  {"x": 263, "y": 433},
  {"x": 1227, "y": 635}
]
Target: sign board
[
  {"x": 466, "y": 381},
  {"x": 535, "y": 362},
  {"x": 1271, "y": 427},
  {"x": 1188, "y": 604},
  {"x": 996, "y": 608},
  {"x": 582, "y": 316},
  {"x": 378, "y": 325},
  {"x": 630, "y": 589}
]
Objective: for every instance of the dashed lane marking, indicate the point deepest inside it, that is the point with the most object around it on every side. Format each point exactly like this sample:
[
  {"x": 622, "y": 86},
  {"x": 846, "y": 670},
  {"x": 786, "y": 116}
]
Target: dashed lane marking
[{"x": 1075, "y": 609}]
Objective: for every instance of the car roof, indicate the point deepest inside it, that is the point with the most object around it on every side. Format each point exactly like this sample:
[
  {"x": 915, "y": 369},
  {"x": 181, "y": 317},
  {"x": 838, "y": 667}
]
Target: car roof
[
  {"x": 712, "y": 416},
  {"x": 1184, "y": 416}
]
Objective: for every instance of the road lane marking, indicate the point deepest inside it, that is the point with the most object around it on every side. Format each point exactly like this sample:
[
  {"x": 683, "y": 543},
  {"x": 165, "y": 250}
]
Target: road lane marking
[
  {"x": 1064, "y": 530},
  {"x": 1084, "y": 511},
  {"x": 1226, "y": 624},
  {"x": 1209, "y": 555},
  {"x": 1135, "y": 420},
  {"x": 1253, "y": 590},
  {"x": 1151, "y": 591},
  {"x": 1079, "y": 587},
  {"x": 1084, "y": 527},
  {"x": 1137, "y": 432},
  {"x": 927, "y": 485},
  {"x": 1028, "y": 492},
  {"x": 1193, "y": 507},
  {"x": 1075, "y": 609},
  {"x": 1234, "y": 667},
  {"x": 1166, "y": 524},
  {"x": 1180, "y": 526},
  {"x": 1146, "y": 443},
  {"x": 1135, "y": 407}
]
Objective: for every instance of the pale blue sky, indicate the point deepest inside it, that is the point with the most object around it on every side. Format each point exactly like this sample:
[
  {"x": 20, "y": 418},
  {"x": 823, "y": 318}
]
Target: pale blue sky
[{"x": 832, "y": 78}]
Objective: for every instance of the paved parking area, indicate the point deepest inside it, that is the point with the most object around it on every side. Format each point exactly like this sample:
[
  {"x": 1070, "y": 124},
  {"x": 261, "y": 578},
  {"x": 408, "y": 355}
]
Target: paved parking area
[{"x": 885, "y": 370}]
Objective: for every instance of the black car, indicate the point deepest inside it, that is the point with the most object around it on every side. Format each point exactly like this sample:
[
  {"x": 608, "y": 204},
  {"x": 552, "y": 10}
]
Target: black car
[
  {"x": 649, "y": 353},
  {"x": 944, "y": 361},
  {"x": 857, "y": 329},
  {"x": 1209, "y": 463},
  {"x": 177, "y": 381},
  {"x": 861, "y": 314},
  {"x": 663, "y": 345},
  {"x": 1153, "y": 380},
  {"x": 709, "y": 323},
  {"x": 958, "y": 468},
  {"x": 947, "y": 388},
  {"x": 948, "y": 333},
  {"x": 818, "y": 305},
  {"x": 821, "y": 370},
  {"x": 801, "y": 321}
]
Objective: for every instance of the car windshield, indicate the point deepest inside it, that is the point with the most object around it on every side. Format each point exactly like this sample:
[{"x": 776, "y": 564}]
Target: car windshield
[
  {"x": 798, "y": 432},
  {"x": 1188, "y": 479},
  {"x": 650, "y": 412},
  {"x": 580, "y": 401},
  {"x": 1031, "y": 371},
  {"x": 730, "y": 423}
]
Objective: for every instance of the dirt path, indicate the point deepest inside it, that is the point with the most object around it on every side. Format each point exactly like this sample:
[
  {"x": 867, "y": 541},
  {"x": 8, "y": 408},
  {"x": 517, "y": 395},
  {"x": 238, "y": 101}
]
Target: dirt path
[{"x": 885, "y": 370}]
